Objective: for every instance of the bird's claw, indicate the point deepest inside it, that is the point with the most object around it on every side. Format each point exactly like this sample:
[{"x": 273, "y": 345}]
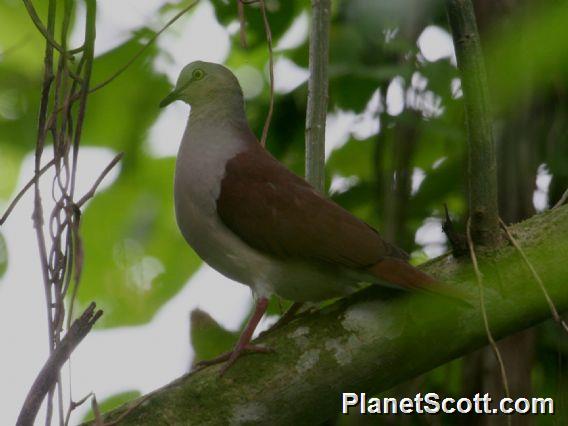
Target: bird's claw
[{"x": 229, "y": 358}]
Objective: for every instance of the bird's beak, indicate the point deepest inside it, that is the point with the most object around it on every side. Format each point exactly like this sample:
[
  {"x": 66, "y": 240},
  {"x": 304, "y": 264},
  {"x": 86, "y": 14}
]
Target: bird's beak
[{"x": 173, "y": 96}]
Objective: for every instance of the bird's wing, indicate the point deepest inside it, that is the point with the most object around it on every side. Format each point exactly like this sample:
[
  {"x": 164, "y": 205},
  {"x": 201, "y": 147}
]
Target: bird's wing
[{"x": 277, "y": 212}]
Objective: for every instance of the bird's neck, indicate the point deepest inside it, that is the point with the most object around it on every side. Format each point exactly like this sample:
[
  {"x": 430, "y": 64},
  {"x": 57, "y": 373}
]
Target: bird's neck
[
  {"x": 216, "y": 130},
  {"x": 229, "y": 111}
]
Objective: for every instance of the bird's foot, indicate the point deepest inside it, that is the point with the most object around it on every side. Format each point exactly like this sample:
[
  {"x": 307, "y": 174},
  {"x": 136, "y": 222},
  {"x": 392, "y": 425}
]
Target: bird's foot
[
  {"x": 229, "y": 358},
  {"x": 291, "y": 314}
]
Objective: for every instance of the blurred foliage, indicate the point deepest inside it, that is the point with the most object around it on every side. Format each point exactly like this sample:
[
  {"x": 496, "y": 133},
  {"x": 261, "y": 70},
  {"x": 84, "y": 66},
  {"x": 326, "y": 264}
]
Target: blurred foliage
[
  {"x": 534, "y": 58},
  {"x": 135, "y": 258},
  {"x": 111, "y": 403},
  {"x": 3, "y": 255},
  {"x": 208, "y": 337}
]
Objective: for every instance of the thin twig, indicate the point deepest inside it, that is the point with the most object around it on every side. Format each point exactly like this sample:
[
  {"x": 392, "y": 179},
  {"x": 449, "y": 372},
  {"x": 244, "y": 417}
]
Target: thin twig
[
  {"x": 24, "y": 190},
  {"x": 75, "y": 261},
  {"x": 47, "y": 377},
  {"x": 90, "y": 194},
  {"x": 70, "y": 98},
  {"x": 76, "y": 50},
  {"x": 76, "y": 252},
  {"x": 45, "y": 32},
  {"x": 270, "y": 71},
  {"x": 562, "y": 200},
  {"x": 90, "y": 35},
  {"x": 74, "y": 405},
  {"x": 242, "y": 24},
  {"x": 316, "y": 111},
  {"x": 484, "y": 312},
  {"x": 141, "y": 51},
  {"x": 536, "y": 276},
  {"x": 37, "y": 215}
]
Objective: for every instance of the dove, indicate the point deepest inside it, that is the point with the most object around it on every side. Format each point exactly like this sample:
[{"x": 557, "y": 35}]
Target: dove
[{"x": 253, "y": 220}]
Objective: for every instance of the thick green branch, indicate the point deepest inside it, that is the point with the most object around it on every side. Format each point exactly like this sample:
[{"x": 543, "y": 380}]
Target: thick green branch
[
  {"x": 371, "y": 341},
  {"x": 482, "y": 158}
]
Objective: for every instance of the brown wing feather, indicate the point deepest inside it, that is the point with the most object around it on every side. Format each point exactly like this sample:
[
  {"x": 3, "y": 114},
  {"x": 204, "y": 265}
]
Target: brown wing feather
[{"x": 277, "y": 212}]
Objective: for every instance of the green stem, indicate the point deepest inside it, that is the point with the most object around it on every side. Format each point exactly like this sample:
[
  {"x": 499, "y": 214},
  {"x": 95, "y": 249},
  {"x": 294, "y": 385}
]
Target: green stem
[
  {"x": 483, "y": 205},
  {"x": 317, "y": 94}
]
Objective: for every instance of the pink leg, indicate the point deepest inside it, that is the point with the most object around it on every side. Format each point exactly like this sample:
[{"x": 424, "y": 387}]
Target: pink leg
[
  {"x": 288, "y": 316},
  {"x": 243, "y": 345}
]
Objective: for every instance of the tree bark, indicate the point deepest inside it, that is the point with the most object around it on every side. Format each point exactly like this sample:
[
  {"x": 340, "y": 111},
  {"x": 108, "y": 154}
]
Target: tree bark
[{"x": 370, "y": 341}]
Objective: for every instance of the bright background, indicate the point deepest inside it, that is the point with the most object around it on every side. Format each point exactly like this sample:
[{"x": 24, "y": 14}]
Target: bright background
[{"x": 392, "y": 79}]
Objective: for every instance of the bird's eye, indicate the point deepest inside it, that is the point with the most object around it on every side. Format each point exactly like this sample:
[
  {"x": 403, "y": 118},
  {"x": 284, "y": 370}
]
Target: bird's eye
[{"x": 197, "y": 74}]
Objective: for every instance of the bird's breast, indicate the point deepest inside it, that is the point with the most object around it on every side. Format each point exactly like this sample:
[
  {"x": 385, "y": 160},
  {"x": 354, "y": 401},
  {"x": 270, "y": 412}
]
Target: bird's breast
[{"x": 200, "y": 168}]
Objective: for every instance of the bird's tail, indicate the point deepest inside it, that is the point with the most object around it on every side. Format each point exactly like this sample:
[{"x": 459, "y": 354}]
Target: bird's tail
[{"x": 403, "y": 274}]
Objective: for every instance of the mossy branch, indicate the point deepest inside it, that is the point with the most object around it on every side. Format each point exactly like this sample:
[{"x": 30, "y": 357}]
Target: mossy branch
[{"x": 371, "y": 341}]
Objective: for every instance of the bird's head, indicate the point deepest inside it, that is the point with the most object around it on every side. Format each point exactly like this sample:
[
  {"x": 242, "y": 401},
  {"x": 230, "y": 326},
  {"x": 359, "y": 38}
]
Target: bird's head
[{"x": 203, "y": 82}]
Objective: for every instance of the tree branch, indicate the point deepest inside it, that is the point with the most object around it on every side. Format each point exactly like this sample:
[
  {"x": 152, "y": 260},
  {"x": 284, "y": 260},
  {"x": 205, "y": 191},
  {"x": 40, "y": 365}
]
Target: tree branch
[
  {"x": 483, "y": 207},
  {"x": 49, "y": 374},
  {"x": 317, "y": 94},
  {"x": 370, "y": 341},
  {"x": 91, "y": 193},
  {"x": 45, "y": 32}
]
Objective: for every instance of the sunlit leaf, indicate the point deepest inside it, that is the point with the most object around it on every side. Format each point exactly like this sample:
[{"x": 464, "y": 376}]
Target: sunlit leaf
[
  {"x": 120, "y": 114},
  {"x": 3, "y": 255},
  {"x": 111, "y": 403},
  {"x": 208, "y": 338},
  {"x": 355, "y": 158},
  {"x": 135, "y": 257},
  {"x": 10, "y": 160},
  {"x": 21, "y": 44}
]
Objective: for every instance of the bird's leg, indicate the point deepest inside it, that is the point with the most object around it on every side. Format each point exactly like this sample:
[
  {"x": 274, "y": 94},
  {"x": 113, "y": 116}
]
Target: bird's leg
[
  {"x": 243, "y": 345},
  {"x": 288, "y": 316}
]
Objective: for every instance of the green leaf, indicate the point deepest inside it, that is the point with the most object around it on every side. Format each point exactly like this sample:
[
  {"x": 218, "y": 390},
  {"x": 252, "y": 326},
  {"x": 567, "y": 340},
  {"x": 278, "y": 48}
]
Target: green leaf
[
  {"x": 280, "y": 14},
  {"x": 135, "y": 257},
  {"x": 19, "y": 102},
  {"x": 208, "y": 338},
  {"x": 10, "y": 161},
  {"x": 532, "y": 61},
  {"x": 20, "y": 39},
  {"x": 3, "y": 255},
  {"x": 353, "y": 158},
  {"x": 111, "y": 403},
  {"x": 119, "y": 114}
]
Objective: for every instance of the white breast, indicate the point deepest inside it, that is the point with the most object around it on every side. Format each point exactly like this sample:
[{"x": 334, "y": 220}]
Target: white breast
[{"x": 200, "y": 167}]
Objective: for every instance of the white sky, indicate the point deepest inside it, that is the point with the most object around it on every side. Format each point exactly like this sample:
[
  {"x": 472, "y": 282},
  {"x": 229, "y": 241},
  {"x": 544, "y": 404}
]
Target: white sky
[{"x": 146, "y": 357}]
